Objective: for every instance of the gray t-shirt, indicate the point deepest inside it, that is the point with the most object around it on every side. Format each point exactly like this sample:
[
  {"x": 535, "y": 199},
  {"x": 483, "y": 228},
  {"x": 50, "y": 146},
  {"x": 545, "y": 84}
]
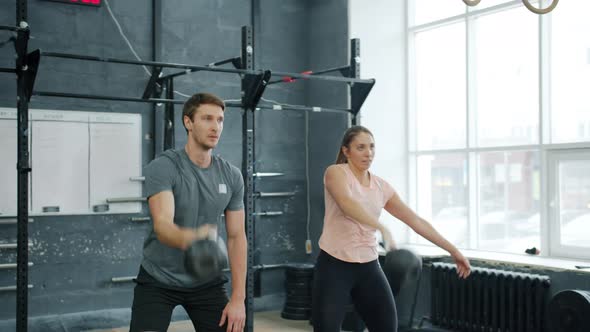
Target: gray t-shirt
[{"x": 201, "y": 195}]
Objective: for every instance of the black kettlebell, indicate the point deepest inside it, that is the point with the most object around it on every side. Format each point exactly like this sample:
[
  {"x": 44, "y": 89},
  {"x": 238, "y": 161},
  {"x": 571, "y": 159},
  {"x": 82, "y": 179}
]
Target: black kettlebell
[
  {"x": 206, "y": 258},
  {"x": 401, "y": 266}
]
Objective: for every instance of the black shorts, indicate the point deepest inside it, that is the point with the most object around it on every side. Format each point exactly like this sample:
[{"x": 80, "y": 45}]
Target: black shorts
[{"x": 154, "y": 302}]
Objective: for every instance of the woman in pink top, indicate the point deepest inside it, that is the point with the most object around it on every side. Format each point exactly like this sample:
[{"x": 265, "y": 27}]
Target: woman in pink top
[{"x": 347, "y": 266}]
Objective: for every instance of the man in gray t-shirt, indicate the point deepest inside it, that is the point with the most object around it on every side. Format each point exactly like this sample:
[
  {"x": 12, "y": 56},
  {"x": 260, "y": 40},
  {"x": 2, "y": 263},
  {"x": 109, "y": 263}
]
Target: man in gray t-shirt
[{"x": 188, "y": 190}]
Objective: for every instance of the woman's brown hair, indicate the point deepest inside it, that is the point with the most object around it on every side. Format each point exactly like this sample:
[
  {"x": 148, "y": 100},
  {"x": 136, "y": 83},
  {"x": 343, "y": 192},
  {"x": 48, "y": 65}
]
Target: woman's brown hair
[{"x": 349, "y": 135}]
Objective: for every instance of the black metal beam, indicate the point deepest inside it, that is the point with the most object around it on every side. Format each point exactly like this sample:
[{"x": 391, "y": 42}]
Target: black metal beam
[
  {"x": 248, "y": 173},
  {"x": 156, "y": 30},
  {"x": 358, "y": 91},
  {"x": 169, "y": 116},
  {"x": 8, "y": 28},
  {"x": 234, "y": 61},
  {"x": 145, "y": 63},
  {"x": 103, "y": 97},
  {"x": 23, "y": 167},
  {"x": 283, "y": 107},
  {"x": 204, "y": 68},
  {"x": 152, "y": 88},
  {"x": 355, "y": 72},
  {"x": 276, "y": 107},
  {"x": 118, "y": 98},
  {"x": 8, "y": 70},
  {"x": 322, "y": 78},
  {"x": 344, "y": 71},
  {"x": 156, "y": 56}
]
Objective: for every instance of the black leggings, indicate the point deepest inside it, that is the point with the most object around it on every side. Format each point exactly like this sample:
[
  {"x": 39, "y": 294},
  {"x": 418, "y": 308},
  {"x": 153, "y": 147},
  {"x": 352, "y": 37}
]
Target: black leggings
[{"x": 336, "y": 283}]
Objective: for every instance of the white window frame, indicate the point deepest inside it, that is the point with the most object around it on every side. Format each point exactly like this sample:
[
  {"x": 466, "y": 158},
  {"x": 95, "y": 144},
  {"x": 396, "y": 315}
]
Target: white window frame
[
  {"x": 547, "y": 151},
  {"x": 554, "y": 157}
]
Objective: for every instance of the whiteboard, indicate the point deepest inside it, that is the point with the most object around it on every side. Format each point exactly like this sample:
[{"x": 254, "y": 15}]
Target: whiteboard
[
  {"x": 78, "y": 160},
  {"x": 114, "y": 159},
  {"x": 8, "y": 174},
  {"x": 59, "y": 176}
]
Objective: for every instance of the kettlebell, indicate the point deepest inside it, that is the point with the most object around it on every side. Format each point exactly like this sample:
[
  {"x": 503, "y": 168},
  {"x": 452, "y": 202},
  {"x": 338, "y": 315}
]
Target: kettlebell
[
  {"x": 206, "y": 258},
  {"x": 401, "y": 266}
]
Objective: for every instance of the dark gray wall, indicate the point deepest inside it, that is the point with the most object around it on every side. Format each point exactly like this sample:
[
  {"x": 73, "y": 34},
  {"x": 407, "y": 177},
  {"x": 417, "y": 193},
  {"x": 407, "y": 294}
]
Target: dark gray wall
[
  {"x": 281, "y": 45},
  {"x": 328, "y": 38},
  {"x": 76, "y": 256}
]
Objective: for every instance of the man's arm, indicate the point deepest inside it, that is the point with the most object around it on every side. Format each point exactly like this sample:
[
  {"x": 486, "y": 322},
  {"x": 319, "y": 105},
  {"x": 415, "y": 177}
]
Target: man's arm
[
  {"x": 237, "y": 246},
  {"x": 162, "y": 211}
]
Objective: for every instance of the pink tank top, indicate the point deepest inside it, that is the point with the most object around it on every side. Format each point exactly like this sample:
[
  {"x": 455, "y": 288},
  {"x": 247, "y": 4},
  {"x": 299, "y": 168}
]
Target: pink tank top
[{"x": 345, "y": 238}]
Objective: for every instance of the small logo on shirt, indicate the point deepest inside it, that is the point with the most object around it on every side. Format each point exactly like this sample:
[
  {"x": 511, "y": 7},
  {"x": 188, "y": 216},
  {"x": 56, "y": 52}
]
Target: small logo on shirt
[{"x": 222, "y": 188}]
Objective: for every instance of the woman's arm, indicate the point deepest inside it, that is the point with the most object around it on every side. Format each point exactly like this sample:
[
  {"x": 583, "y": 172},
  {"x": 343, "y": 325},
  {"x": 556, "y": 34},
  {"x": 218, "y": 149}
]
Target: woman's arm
[
  {"x": 401, "y": 211},
  {"x": 336, "y": 184}
]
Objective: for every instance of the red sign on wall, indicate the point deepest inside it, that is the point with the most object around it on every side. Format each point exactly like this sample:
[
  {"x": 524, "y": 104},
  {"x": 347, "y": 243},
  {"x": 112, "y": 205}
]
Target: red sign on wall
[{"x": 95, "y": 3}]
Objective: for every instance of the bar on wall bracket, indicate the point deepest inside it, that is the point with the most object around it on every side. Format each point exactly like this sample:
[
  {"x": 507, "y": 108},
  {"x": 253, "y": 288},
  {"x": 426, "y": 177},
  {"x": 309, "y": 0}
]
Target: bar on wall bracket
[
  {"x": 153, "y": 89},
  {"x": 236, "y": 63},
  {"x": 254, "y": 88},
  {"x": 358, "y": 95},
  {"x": 28, "y": 63},
  {"x": 358, "y": 90},
  {"x": 32, "y": 66}
]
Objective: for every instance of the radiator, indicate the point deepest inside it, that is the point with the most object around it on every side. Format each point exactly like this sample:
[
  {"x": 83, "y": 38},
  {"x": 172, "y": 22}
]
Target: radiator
[{"x": 489, "y": 300}]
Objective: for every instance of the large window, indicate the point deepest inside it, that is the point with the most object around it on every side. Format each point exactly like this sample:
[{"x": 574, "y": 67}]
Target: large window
[
  {"x": 570, "y": 73},
  {"x": 443, "y": 198},
  {"x": 506, "y": 93},
  {"x": 499, "y": 124},
  {"x": 508, "y": 214},
  {"x": 440, "y": 80}
]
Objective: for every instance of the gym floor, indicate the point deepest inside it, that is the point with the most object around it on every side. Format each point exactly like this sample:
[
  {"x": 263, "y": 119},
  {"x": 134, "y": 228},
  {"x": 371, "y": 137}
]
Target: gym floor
[{"x": 263, "y": 322}]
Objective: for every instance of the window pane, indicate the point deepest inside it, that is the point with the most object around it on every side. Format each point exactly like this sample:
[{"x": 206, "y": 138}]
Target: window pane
[
  {"x": 507, "y": 106},
  {"x": 574, "y": 203},
  {"x": 442, "y": 188},
  {"x": 570, "y": 72},
  {"x": 440, "y": 87},
  {"x": 431, "y": 10},
  {"x": 509, "y": 193}
]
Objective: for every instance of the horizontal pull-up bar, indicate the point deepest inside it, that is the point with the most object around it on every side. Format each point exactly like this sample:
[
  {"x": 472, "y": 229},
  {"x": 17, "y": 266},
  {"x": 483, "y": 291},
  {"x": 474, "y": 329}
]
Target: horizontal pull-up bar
[
  {"x": 102, "y": 97},
  {"x": 212, "y": 65},
  {"x": 322, "y": 78},
  {"x": 288, "y": 79},
  {"x": 275, "y": 107},
  {"x": 146, "y": 63},
  {"x": 201, "y": 68},
  {"x": 278, "y": 107},
  {"x": 7, "y": 70},
  {"x": 9, "y": 28},
  {"x": 117, "y": 98}
]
